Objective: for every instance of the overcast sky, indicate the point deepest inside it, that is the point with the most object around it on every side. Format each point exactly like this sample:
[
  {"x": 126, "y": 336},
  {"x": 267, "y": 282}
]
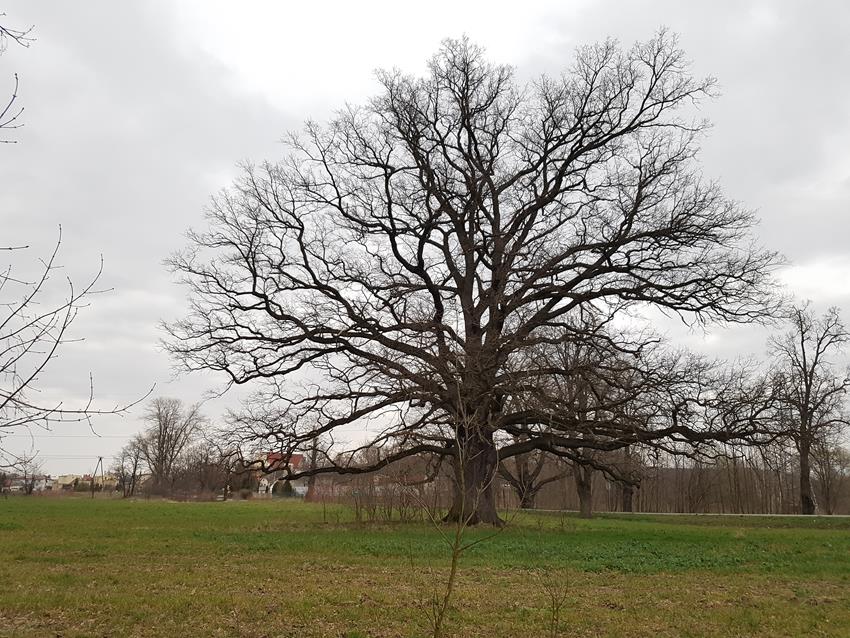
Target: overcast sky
[{"x": 137, "y": 112}]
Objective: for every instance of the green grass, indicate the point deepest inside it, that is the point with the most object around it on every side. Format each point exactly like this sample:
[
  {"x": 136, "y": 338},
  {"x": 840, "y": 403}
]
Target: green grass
[{"x": 80, "y": 567}]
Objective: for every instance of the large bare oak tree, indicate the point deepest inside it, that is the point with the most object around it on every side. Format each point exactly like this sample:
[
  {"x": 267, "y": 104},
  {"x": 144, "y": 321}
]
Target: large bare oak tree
[{"x": 397, "y": 270}]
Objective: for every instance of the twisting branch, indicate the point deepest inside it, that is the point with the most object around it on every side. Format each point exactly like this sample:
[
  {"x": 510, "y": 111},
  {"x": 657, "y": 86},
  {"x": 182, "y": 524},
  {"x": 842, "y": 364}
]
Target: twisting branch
[{"x": 9, "y": 114}]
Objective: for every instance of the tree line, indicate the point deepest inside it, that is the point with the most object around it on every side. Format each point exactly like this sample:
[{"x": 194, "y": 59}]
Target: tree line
[
  {"x": 177, "y": 454},
  {"x": 770, "y": 476}
]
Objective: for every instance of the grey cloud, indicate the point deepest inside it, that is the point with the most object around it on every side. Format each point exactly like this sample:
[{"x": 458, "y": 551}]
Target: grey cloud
[
  {"x": 127, "y": 132},
  {"x": 130, "y": 127}
]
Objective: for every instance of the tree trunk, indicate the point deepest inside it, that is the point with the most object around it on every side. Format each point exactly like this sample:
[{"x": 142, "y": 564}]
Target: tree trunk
[
  {"x": 475, "y": 470},
  {"x": 807, "y": 499},
  {"x": 527, "y": 499},
  {"x": 310, "y": 496},
  {"x": 628, "y": 495},
  {"x": 583, "y": 479}
]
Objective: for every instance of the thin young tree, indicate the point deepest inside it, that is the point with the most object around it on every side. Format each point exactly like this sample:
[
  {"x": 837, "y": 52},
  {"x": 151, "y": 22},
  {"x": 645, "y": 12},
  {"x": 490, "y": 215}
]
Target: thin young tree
[
  {"x": 128, "y": 467},
  {"x": 29, "y": 467},
  {"x": 394, "y": 268},
  {"x": 812, "y": 392}
]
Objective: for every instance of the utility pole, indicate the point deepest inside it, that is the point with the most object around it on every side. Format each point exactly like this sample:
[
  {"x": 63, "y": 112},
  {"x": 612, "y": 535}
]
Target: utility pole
[{"x": 94, "y": 474}]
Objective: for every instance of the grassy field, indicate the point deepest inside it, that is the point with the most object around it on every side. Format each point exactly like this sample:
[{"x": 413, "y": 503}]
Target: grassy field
[{"x": 79, "y": 567}]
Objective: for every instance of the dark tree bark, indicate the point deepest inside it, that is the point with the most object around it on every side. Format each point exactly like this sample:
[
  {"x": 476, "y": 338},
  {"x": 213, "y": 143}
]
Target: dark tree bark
[{"x": 475, "y": 470}]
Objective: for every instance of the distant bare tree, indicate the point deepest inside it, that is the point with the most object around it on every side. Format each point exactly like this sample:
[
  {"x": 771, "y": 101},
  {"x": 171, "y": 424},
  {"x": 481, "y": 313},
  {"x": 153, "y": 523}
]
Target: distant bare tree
[
  {"x": 408, "y": 255},
  {"x": 831, "y": 468},
  {"x": 529, "y": 473},
  {"x": 128, "y": 466},
  {"x": 29, "y": 468},
  {"x": 811, "y": 392},
  {"x": 171, "y": 428},
  {"x": 207, "y": 466}
]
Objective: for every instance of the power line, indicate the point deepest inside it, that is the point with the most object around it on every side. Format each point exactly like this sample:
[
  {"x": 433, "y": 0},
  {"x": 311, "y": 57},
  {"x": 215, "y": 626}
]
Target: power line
[
  {"x": 74, "y": 457},
  {"x": 64, "y": 436}
]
